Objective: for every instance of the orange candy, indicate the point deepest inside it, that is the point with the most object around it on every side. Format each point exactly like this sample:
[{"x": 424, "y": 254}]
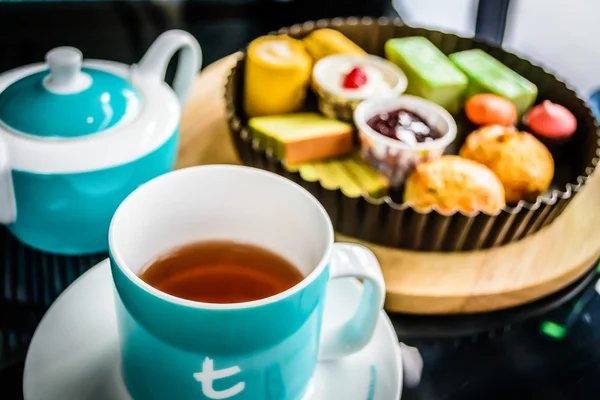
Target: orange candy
[{"x": 489, "y": 109}]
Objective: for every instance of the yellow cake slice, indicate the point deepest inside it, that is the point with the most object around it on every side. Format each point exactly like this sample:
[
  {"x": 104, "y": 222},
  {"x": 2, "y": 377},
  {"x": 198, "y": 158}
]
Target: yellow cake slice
[
  {"x": 302, "y": 137},
  {"x": 277, "y": 75},
  {"x": 327, "y": 42}
]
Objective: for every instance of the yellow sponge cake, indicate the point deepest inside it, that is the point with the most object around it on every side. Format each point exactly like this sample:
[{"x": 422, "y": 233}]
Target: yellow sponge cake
[{"x": 302, "y": 137}]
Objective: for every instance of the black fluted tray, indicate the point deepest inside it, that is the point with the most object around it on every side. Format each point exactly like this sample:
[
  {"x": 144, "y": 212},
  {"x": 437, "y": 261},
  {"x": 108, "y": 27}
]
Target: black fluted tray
[{"x": 388, "y": 221}]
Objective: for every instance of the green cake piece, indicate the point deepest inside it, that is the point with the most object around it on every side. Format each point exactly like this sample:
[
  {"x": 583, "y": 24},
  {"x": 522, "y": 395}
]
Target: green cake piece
[
  {"x": 488, "y": 75},
  {"x": 302, "y": 137},
  {"x": 430, "y": 73},
  {"x": 351, "y": 175}
]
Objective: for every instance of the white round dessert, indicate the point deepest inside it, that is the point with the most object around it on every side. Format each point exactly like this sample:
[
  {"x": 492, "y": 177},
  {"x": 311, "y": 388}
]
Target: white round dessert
[{"x": 383, "y": 78}]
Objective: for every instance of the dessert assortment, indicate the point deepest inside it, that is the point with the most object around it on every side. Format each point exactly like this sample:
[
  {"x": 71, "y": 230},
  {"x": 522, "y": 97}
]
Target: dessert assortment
[
  {"x": 457, "y": 130},
  {"x": 399, "y": 132}
]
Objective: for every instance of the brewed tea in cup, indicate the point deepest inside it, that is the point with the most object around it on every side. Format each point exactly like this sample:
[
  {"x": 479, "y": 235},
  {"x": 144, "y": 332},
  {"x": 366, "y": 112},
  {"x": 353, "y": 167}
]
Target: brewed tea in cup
[{"x": 221, "y": 271}]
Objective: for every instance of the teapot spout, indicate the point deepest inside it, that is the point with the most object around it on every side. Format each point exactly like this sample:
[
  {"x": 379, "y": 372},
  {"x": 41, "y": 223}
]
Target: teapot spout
[{"x": 156, "y": 60}]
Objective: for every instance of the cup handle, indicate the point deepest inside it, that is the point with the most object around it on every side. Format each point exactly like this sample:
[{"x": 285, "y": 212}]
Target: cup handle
[
  {"x": 355, "y": 261},
  {"x": 157, "y": 58},
  {"x": 8, "y": 206}
]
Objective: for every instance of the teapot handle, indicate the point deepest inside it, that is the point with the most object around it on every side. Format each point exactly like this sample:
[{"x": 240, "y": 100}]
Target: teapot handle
[
  {"x": 157, "y": 58},
  {"x": 8, "y": 207}
]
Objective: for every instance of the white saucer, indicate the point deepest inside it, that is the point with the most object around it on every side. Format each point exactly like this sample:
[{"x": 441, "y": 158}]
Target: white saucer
[{"x": 74, "y": 353}]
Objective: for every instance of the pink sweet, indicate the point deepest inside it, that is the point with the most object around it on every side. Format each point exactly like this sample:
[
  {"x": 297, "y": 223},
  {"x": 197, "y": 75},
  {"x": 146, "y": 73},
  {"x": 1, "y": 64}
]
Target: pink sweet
[{"x": 551, "y": 120}]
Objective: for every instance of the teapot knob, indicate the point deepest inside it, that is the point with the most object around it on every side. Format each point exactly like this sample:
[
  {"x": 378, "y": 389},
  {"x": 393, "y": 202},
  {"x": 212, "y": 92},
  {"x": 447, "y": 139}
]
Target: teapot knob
[{"x": 65, "y": 75}]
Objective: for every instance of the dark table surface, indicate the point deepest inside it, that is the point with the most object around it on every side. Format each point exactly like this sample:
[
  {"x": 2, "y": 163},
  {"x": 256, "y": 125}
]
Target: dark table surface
[{"x": 515, "y": 362}]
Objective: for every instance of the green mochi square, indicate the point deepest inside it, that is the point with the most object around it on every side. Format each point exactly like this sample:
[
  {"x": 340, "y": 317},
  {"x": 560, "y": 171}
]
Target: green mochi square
[
  {"x": 430, "y": 73},
  {"x": 488, "y": 75}
]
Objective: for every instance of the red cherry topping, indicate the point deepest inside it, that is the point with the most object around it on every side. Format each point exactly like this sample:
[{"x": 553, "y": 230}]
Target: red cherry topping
[{"x": 355, "y": 78}]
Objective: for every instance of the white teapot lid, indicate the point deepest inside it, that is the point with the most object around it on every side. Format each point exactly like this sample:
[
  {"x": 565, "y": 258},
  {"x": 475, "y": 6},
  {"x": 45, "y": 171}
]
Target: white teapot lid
[{"x": 66, "y": 99}]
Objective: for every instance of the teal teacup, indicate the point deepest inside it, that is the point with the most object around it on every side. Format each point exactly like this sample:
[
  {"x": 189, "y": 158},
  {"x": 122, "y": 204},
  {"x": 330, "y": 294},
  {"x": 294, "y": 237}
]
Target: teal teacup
[{"x": 267, "y": 349}]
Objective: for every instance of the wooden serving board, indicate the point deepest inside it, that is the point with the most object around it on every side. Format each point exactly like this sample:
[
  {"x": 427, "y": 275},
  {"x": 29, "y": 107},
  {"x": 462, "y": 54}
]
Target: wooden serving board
[{"x": 430, "y": 283}]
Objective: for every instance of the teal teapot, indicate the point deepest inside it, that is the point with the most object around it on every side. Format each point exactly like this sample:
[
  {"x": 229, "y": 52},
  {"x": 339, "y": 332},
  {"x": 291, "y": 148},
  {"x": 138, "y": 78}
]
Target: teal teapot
[{"x": 77, "y": 136}]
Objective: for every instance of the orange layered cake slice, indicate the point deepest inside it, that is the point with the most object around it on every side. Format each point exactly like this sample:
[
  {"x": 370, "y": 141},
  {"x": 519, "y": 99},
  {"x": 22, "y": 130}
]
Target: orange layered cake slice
[
  {"x": 302, "y": 137},
  {"x": 351, "y": 175}
]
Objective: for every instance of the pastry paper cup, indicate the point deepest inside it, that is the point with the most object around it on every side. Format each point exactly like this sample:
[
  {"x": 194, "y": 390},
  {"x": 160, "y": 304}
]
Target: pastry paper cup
[
  {"x": 387, "y": 221},
  {"x": 393, "y": 158}
]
